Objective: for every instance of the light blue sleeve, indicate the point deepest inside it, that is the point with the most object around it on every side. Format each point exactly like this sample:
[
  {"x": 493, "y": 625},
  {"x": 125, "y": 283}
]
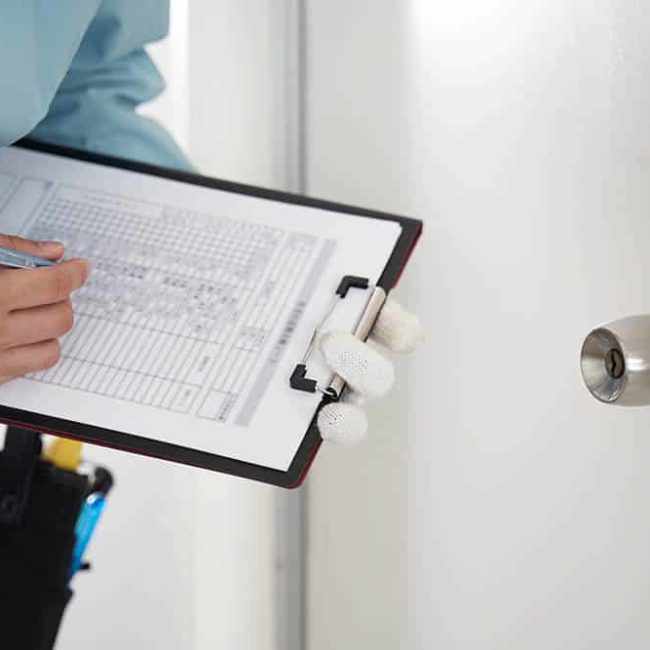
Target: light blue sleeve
[
  {"x": 38, "y": 40},
  {"x": 73, "y": 72},
  {"x": 110, "y": 76}
]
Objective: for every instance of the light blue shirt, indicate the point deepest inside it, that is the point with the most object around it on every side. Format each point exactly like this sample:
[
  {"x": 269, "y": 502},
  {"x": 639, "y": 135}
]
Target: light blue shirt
[{"x": 73, "y": 72}]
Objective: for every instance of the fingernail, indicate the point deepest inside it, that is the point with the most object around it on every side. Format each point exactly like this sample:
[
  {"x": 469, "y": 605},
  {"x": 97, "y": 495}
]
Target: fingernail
[
  {"x": 81, "y": 260},
  {"x": 51, "y": 246},
  {"x": 86, "y": 264}
]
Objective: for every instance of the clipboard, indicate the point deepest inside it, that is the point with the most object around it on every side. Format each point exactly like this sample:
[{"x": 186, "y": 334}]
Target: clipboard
[{"x": 299, "y": 379}]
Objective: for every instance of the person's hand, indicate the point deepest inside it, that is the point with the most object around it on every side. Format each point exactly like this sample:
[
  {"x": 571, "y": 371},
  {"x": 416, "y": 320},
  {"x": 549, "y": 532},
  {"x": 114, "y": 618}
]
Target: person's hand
[
  {"x": 367, "y": 373},
  {"x": 35, "y": 308}
]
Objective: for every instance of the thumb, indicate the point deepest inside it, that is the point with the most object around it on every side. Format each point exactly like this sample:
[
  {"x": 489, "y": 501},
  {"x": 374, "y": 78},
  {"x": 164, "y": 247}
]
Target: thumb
[{"x": 51, "y": 250}]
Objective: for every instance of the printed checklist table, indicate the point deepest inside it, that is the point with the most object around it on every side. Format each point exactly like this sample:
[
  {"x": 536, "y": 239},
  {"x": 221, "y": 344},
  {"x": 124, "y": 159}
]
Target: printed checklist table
[{"x": 176, "y": 321}]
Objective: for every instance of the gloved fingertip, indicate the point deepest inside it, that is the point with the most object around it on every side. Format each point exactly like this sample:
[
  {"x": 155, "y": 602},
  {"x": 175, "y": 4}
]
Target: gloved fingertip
[
  {"x": 351, "y": 396},
  {"x": 397, "y": 329},
  {"x": 343, "y": 424},
  {"x": 363, "y": 368}
]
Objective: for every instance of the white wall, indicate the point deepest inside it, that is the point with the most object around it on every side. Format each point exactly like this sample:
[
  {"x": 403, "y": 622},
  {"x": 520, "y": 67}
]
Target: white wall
[{"x": 495, "y": 505}]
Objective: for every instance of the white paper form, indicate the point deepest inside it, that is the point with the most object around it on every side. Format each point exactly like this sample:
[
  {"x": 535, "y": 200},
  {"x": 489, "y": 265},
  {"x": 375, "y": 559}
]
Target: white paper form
[{"x": 199, "y": 305}]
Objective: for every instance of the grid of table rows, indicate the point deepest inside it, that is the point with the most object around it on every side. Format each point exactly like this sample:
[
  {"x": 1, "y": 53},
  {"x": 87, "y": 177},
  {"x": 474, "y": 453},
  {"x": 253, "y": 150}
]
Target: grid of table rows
[
  {"x": 236, "y": 362},
  {"x": 161, "y": 308}
]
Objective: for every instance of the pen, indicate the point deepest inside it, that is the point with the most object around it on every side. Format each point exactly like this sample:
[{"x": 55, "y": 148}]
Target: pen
[{"x": 19, "y": 260}]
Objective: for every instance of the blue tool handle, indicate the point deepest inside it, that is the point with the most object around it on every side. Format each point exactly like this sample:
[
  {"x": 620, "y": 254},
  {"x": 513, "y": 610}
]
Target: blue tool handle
[{"x": 88, "y": 518}]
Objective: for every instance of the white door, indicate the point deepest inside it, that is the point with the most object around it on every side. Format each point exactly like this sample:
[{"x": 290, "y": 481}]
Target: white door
[{"x": 496, "y": 505}]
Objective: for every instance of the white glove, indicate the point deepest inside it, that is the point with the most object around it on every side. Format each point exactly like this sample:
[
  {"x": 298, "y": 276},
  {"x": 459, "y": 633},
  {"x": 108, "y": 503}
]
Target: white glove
[{"x": 367, "y": 373}]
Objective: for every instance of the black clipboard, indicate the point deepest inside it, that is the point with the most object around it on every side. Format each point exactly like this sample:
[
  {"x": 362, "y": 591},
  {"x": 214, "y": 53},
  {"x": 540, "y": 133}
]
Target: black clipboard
[{"x": 411, "y": 230}]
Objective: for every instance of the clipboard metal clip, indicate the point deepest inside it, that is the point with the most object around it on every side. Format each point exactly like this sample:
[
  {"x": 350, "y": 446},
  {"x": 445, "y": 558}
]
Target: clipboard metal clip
[{"x": 299, "y": 379}]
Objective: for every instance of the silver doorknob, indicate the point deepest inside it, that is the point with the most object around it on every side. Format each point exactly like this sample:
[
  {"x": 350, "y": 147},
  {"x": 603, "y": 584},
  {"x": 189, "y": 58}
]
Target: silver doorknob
[{"x": 615, "y": 362}]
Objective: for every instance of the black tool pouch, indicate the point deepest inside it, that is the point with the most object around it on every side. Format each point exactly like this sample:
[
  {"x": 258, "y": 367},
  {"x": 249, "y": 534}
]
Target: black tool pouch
[{"x": 39, "y": 507}]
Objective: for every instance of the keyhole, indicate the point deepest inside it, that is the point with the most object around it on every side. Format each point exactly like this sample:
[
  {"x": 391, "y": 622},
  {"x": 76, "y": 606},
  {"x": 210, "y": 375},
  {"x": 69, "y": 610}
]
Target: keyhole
[{"x": 614, "y": 363}]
